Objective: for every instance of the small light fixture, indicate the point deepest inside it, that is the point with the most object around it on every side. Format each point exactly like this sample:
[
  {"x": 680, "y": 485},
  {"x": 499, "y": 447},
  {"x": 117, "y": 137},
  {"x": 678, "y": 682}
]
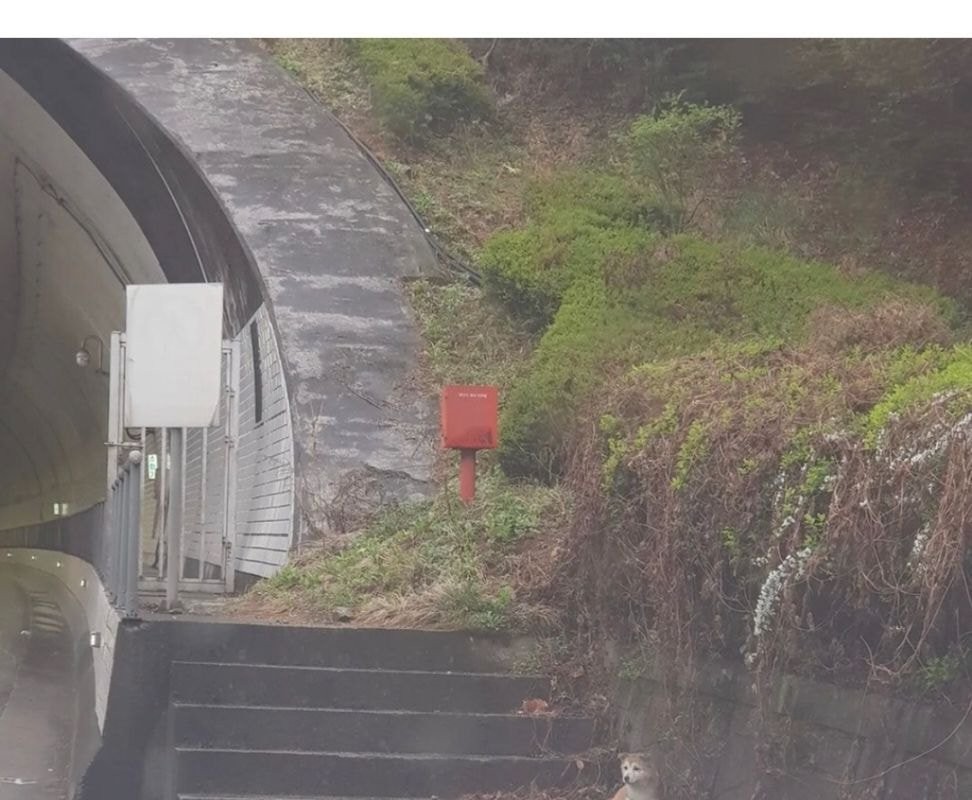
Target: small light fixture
[
  {"x": 83, "y": 583},
  {"x": 83, "y": 357},
  {"x": 95, "y": 638},
  {"x": 58, "y": 564}
]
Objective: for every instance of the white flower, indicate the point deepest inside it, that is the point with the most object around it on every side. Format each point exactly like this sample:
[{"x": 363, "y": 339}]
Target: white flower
[
  {"x": 918, "y": 549},
  {"x": 792, "y": 566}
]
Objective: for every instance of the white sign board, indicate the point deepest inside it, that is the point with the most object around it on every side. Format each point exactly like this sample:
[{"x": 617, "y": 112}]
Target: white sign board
[{"x": 173, "y": 355}]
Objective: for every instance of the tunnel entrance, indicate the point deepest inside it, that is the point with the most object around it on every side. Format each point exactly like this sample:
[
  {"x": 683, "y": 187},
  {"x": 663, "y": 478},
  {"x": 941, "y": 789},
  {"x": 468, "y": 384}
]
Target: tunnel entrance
[
  {"x": 68, "y": 247},
  {"x": 95, "y": 196},
  {"x": 47, "y": 720}
]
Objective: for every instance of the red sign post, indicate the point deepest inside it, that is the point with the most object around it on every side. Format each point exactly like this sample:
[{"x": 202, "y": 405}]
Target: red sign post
[{"x": 469, "y": 420}]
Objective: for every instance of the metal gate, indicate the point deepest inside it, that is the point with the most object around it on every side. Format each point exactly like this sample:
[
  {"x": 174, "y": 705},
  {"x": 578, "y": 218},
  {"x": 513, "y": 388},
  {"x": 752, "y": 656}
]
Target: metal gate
[{"x": 188, "y": 492}]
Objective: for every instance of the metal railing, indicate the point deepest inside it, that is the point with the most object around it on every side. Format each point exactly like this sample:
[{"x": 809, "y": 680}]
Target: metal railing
[{"x": 122, "y": 537}]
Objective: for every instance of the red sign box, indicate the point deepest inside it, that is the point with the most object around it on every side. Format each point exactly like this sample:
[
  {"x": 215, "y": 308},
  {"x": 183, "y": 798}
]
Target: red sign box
[{"x": 469, "y": 417}]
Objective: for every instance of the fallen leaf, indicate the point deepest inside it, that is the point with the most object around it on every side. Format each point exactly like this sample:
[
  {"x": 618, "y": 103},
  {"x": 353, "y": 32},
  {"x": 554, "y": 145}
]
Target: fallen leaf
[{"x": 535, "y": 707}]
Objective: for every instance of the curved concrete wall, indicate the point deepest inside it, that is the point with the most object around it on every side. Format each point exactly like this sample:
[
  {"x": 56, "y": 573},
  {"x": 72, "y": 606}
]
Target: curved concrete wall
[
  {"x": 190, "y": 160},
  {"x": 333, "y": 243},
  {"x": 68, "y": 245},
  {"x": 156, "y": 180},
  {"x": 94, "y": 195}
]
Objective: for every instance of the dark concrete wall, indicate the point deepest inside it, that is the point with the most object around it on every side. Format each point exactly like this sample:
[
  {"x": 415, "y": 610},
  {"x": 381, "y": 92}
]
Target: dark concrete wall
[
  {"x": 334, "y": 244},
  {"x": 829, "y": 743},
  {"x": 95, "y": 195},
  {"x": 157, "y": 180}
]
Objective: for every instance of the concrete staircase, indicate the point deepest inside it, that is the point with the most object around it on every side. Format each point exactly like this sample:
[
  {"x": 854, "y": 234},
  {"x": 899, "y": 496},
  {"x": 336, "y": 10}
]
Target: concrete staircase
[{"x": 301, "y": 713}]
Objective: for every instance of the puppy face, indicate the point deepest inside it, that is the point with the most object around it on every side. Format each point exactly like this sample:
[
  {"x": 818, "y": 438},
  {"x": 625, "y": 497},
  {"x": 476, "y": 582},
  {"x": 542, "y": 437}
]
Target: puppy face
[{"x": 636, "y": 768}]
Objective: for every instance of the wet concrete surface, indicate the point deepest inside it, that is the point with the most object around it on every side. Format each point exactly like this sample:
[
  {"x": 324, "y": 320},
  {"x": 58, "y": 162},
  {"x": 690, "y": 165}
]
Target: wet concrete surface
[
  {"x": 333, "y": 242},
  {"x": 47, "y": 725}
]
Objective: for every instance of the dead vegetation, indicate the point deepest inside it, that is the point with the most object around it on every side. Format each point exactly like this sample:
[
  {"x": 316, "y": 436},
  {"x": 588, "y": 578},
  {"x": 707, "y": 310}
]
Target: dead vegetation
[
  {"x": 764, "y": 502},
  {"x": 689, "y": 479}
]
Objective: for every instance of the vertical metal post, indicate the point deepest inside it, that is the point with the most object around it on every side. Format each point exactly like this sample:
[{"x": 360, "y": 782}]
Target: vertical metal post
[
  {"x": 467, "y": 475},
  {"x": 133, "y": 535},
  {"x": 140, "y": 566},
  {"x": 173, "y": 535},
  {"x": 183, "y": 549},
  {"x": 116, "y": 385},
  {"x": 232, "y": 438},
  {"x": 203, "y": 490},
  {"x": 162, "y": 499},
  {"x": 122, "y": 490},
  {"x": 111, "y": 537},
  {"x": 116, "y": 410}
]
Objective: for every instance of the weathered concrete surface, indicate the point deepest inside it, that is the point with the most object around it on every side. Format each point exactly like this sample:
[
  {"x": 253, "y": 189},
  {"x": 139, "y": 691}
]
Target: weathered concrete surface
[
  {"x": 48, "y": 730},
  {"x": 333, "y": 243},
  {"x": 839, "y": 743}
]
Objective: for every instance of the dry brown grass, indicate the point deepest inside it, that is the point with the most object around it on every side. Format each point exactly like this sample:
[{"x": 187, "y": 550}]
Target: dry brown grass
[
  {"x": 892, "y": 324},
  {"x": 676, "y": 537}
]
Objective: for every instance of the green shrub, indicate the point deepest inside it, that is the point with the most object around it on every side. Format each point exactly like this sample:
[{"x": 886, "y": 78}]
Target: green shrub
[
  {"x": 576, "y": 221},
  {"x": 422, "y": 86},
  {"x": 676, "y": 151},
  {"x": 678, "y": 297},
  {"x": 950, "y": 380}
]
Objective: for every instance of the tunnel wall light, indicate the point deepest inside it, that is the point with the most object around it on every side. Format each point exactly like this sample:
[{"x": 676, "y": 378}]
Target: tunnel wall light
[
  {"x": 95, "y": 639},
  {"x": 83, "y": 357}
]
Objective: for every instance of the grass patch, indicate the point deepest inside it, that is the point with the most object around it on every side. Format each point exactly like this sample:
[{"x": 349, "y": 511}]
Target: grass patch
[
  {"x": 434, "y": 564},
  {"x": 715, "y": 402},
  {"x": 469, "y": 338},
  {"x": 468, "y": 180},
  {"x": 422, "y": 87},
  {"x": 325, "y": 67}
]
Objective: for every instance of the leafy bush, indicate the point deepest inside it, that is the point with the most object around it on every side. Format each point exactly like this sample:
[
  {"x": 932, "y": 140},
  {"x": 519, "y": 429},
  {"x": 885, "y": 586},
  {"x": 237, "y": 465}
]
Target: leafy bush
[
  {"x": 679, "y": 148},
  {"x": 422, "y": 86},
  {"x": 949, "y": 378},
  {"x": 576, "y": 221},
  {"x": 642, "y": 298}
]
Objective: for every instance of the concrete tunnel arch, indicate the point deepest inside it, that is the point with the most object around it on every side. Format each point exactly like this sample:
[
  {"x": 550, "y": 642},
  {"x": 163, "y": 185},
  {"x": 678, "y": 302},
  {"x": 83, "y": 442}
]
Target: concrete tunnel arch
[
  {"x": 144, "y": 161},
  {"x": 127, "y": 161},
  {"x": 96, "y": 197}
]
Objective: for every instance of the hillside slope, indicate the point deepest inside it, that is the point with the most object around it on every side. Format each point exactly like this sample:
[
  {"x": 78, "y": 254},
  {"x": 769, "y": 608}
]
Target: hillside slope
[{"x": 730, "y": 342}]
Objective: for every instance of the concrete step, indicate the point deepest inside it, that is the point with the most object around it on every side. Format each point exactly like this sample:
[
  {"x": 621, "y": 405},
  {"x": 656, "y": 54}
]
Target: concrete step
[
  {"x": 250, "y": 774},
  {"x": 324, "y": 687},
  {"x": 435, "y": 651},
  {"x": 275, "y": 797},
  {"x": 303, "y": 729}
]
